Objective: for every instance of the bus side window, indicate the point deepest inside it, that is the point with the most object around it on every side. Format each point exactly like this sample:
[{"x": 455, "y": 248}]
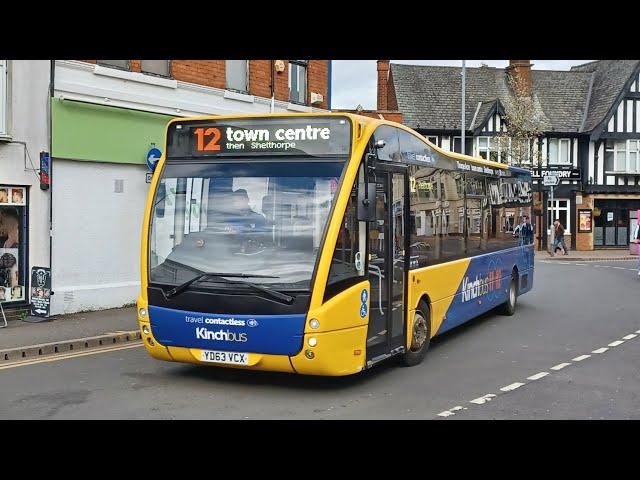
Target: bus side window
[{"x": 424, "y": 240}]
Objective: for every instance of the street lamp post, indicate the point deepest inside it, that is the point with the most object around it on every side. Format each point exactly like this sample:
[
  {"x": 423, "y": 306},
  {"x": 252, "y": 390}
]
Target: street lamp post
[{"x": 464, "y": 77}]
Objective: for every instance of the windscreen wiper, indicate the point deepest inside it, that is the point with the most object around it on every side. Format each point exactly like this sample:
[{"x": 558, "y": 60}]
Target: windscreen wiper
[{"x": 275, "y": 294}]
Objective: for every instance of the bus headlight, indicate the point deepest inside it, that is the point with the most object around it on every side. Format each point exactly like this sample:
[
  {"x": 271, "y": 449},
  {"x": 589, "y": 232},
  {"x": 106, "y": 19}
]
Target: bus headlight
[
  {"x": 142, "y": 312},
  {"x": 314, "y": 323},
  {"x": 309, "y": 354},
  {"x": 313, "y": 342},
  {"x": 145, "y": 329}
]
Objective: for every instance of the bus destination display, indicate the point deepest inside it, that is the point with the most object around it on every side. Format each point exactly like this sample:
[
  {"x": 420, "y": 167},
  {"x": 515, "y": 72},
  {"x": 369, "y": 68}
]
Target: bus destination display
[{"x": 301, "y": 136}]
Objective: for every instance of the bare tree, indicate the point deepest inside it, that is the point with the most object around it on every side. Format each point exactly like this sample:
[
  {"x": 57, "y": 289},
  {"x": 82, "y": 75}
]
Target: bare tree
[{"x": 523, "y": 125}]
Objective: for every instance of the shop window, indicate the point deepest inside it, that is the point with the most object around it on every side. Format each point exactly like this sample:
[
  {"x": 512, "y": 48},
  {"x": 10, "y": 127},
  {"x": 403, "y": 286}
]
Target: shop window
[
  {"x": 13, "y": 224},
  {"x": 559, "y": 209}
]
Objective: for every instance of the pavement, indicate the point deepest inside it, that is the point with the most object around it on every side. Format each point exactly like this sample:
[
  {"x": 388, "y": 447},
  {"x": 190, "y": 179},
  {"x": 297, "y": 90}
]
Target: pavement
[
  {"x": 67, "y": 327},
  {"x": 588, "y": 255}
]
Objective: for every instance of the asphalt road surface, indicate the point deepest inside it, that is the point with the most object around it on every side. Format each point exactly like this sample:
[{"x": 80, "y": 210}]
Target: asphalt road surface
[{"x": 571, "y": 351}]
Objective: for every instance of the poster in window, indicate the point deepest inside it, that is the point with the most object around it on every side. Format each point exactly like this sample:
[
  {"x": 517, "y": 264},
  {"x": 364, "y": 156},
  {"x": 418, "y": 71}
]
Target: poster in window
[
  {"x": 585, "y": 218},
  {"x": 9, "y": 275},
  {"x": 17, "y": 196}
]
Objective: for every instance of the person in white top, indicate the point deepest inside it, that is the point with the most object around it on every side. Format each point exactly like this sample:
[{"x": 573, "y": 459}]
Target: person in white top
[{"x": 636, "y": 239}]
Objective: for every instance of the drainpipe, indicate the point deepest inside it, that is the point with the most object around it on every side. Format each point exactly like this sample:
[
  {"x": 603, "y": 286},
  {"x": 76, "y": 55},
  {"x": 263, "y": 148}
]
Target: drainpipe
[
  {"x": 329, "y": 87},
  {"x": 273, "y": 85}
]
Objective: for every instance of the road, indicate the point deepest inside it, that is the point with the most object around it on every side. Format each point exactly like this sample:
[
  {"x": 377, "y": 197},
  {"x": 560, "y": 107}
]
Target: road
[{"x": 473, "y": 372}]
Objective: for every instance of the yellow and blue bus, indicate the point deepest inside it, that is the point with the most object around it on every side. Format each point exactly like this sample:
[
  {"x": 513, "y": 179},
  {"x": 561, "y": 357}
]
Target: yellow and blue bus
[{"x": 323, "y": 243}]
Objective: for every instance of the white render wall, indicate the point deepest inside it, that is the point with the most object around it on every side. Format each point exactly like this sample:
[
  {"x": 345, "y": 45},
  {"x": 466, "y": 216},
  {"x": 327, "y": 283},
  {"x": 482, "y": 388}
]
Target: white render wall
[
  {"x": 96, "y": 235},
  {"x": 28, "y": 122}
]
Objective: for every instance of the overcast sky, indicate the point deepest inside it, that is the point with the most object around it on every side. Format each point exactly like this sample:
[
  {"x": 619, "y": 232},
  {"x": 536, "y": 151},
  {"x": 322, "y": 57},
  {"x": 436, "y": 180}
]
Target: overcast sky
[{"x": 354, "y": 81}]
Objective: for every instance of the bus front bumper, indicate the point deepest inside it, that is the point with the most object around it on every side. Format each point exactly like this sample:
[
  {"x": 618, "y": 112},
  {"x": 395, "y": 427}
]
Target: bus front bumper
[{"x": 334, "y": 353}]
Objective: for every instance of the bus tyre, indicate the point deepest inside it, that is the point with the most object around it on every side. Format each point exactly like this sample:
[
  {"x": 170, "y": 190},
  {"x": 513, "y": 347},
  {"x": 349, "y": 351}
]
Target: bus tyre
[
  {"x": 420, "y": 336},
  {"x": 509, "y": 307}
]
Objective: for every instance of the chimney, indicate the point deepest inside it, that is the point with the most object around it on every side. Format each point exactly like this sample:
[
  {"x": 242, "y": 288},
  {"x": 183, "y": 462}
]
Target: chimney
[
  {"x": 383, "y": 79},
  {"x": 521, "y": 70}
]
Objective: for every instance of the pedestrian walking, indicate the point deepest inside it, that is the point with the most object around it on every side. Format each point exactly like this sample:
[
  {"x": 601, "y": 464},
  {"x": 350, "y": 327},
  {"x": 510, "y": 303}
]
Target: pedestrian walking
[
  {"x": 636, "y": 239},
  {"x": 526, "y": 231},
  {"x": 558, "y": 242}
]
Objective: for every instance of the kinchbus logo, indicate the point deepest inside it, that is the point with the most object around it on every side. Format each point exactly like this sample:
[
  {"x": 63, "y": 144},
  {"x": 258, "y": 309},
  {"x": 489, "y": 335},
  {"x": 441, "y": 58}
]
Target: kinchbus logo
[
  {"x": 226, "y": 335},
  {"x": 481, "y": 285}
]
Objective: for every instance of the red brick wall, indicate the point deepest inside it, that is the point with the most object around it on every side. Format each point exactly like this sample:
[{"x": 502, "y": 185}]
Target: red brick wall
[
  {"x": 260, "y": 78},
  {"x": 211, "y": 73},
  {"x": 317, "y": 75}
]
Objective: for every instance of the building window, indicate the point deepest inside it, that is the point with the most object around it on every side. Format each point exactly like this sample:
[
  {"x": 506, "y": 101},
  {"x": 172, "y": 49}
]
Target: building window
[
  {"x": 120, "y": 64},
  {"x": 489, "y": 149},
  {"x": 559, "y": 209},
  {"x": 468, "y": 144},
  {"x": 4, "y": 101},
  {"x": 622, "y": 156},
  {"x": 559, "y": 149},
  {"x": 237, "y": 75},
  {"x": 161, "y": 68},
  {"x": 433, "y": 140},
  {"x": 298, "y": 81},
  {"x": 13, "y": 224}
]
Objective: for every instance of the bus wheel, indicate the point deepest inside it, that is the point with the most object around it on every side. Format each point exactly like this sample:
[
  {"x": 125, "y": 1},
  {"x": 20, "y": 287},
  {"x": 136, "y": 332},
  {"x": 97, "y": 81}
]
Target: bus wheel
[
  {"x": 420, "y": 336},
  {"x": 509, "y": 307}
]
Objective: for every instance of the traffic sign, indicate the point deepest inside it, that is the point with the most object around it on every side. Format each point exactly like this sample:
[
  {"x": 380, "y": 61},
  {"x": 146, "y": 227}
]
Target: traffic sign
[
  {"x": 550, "y": 180},
  {"x": 152, "y": 158}
]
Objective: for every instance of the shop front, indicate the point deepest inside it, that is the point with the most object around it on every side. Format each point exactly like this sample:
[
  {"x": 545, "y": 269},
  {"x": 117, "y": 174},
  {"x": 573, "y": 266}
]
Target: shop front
[
  {"x": 13, "y": 245},
  {"x": 606, "y": 221},
  {"x": 614, "y": 222}
]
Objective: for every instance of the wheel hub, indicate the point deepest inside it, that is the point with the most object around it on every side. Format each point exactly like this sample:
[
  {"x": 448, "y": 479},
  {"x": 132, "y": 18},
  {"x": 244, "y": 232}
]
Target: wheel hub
[{"x": 419, "y": 332}]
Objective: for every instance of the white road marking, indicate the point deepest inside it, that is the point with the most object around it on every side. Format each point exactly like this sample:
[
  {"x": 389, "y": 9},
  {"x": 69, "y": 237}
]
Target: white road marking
[
  {"x": 580, "y": 358},
  {"x": 538, "y": 376},
  {"x": 630, "y": 336},
  {"x": 560, "y": 366},
  {"x": 483, "y": 399},
  {"x": 564, "y": 263},
  {"x": 600, "y": 350},
  {"x": 511, "y": 387},
  {"x": 616, "y": 343},
  {"x": 637, "y": 331},
  {"x": 446, "y": 413},
  {"x": 581, "y": 264},
  {"x": 619, "y": 268}
]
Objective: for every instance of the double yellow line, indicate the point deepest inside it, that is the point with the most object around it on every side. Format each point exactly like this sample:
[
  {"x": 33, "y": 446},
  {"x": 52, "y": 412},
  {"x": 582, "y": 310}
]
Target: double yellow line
[{"x": 66, "y": 356}]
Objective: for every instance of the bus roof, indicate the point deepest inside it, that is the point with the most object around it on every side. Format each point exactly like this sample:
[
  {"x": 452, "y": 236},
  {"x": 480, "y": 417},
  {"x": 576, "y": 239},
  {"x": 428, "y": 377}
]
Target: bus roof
[{"x": 363, "y": 121}]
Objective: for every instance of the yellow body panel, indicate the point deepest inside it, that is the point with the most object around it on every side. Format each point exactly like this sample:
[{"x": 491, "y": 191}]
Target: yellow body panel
[{"x": 341, "y": 338}]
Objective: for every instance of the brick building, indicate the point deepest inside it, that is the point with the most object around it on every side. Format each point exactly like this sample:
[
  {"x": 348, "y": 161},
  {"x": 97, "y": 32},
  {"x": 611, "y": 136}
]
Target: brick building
[{"x": 591, "y": 121}]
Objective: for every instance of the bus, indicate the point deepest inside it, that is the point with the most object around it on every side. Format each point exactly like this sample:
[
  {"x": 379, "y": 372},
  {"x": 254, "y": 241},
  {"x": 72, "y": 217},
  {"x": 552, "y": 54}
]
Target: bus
[{"x": 322, "y": 243}]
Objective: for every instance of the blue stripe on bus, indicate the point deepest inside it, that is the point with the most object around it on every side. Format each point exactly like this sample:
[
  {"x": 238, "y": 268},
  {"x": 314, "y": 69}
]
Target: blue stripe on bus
[
  {"x": 487, "y": 284},
  {"x": 270, "y": 334}
]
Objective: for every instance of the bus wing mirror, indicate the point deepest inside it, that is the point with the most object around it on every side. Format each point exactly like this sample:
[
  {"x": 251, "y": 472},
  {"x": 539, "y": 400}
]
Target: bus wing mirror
[
  {"x": 367, "y": 203},
  {"x": 161, "y": 195}
]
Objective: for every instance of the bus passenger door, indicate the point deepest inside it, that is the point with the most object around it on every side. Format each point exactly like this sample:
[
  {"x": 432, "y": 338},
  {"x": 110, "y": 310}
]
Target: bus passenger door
[{"x": 387, "y": 265}]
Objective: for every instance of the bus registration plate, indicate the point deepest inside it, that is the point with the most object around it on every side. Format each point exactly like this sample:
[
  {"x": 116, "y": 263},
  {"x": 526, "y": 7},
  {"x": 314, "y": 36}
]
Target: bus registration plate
[{"x": 234, "y": 358}]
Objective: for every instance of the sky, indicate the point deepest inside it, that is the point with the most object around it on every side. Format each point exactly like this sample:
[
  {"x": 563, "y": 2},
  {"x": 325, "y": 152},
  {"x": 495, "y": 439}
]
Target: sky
[{"x": 354, "y": 81}]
